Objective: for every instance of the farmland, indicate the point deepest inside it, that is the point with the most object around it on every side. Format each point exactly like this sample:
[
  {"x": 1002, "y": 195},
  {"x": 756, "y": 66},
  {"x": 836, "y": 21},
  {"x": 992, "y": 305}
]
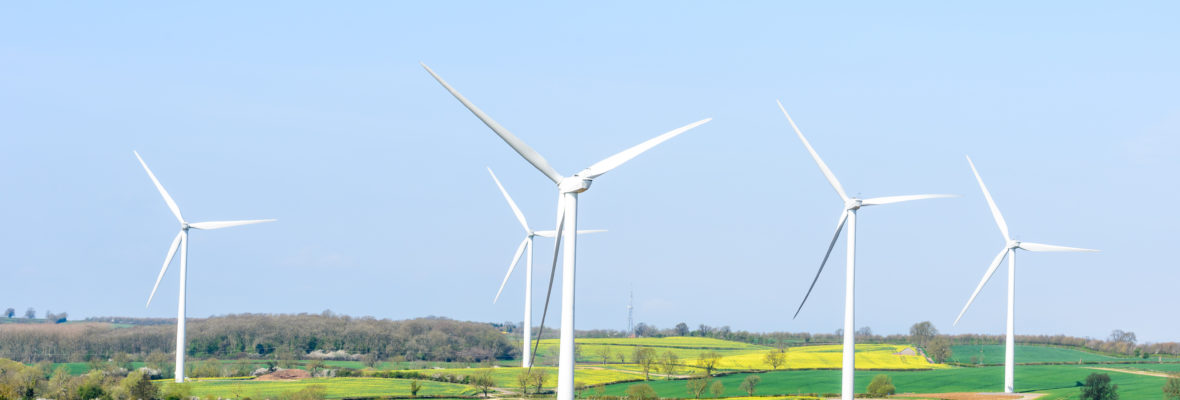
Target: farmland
[
  {"x": 335, "y": 388},
  {"x": 1058, "y": 381},
  {"x": 1028, "y": 354},
  {"x": 806, "y": 369}
]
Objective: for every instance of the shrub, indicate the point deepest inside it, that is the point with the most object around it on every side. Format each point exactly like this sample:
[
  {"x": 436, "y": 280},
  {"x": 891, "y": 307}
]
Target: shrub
[
  {"x": 1098, "y": 387},
  {"x": 882, "y": 385},
  {"x": 641, "y": 391}
]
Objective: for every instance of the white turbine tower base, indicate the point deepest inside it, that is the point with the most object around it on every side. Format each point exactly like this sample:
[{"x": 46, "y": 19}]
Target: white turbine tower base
[
  {"x": 567, "y": 210},
  {"x": 181, "y": 241},
  {"x": 848, "y": 216},
  {"x": 525, "y": 246},
  {"x": 1008, "y": 251}
]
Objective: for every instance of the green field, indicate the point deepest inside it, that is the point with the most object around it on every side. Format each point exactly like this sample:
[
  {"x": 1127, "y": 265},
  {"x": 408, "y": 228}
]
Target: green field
[
  {"x": 505, "y": 377},
  {"x": 336, "y": 388},
  {"x": 993, "y": 354},
  {"x": 1059, "y": 381}
]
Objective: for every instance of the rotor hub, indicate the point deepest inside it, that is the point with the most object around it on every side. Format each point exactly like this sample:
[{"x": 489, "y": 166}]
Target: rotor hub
[
  {"x": 574, "y": 184},
  {"x": 1012, "y": 244},
  {"x": 852, "y": 204}
]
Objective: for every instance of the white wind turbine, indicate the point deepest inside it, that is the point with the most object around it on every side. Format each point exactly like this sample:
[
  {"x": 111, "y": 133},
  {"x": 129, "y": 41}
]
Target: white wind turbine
[
  {"x": 848, "y": 215},
  {"x": 181, "y": 241},
  {"x": 1009, "y": 250},
  {"x": 525, "y": 245},
  {"x": 567, "y": 222}
]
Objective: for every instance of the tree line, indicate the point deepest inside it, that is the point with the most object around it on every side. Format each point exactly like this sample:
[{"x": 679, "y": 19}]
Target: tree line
[{"x": 263, "y": 336}]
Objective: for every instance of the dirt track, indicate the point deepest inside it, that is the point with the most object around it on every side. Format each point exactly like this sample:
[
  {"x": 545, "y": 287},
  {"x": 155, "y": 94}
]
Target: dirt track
[{"x": 1129, "y": 371}]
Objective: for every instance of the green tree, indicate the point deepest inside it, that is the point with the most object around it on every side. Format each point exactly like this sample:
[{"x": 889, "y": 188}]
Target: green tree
[
  {"x": 668, "y": 363},
  {"x": 9, "y": 312},
  {"x": 922, "y": 332},
  {"x": 1098, "y": 387},
  {"x": 30, "y": 313},
  {"x": 136, "y": 386},
  {"x": 881, "y": 386},
  {"x": 1172, "y": 388},
  {"x": 646, "y": 358},
  {"x": 939, "y": 348},
  {"x": 176, "y": 391},
  {"x": 697, "y": 385},
  {"x": 604, "y": 352},
  {"x": 708, "y": 361},
  {"x": 718, "y": 389},
  {"x": 539, "y": 378},
  {"x": 641, "y": 391},
  {"x": 750, "y": 384},
  {"x": 775, "y": 358},
  {"x": 482, "y": 381}
]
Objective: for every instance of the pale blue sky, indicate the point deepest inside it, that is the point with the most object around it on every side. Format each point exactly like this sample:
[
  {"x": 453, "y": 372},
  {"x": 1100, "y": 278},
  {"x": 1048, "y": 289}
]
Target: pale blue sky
[{"x": 320, "y": 116}]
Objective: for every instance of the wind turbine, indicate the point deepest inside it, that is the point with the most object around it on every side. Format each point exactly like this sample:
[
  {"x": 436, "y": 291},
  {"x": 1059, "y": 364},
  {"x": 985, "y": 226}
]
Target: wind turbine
[
  {"x": 1009, "y": 250},
  {"x": 181, "y": 241},
  {"x": 567, "y": 221},
  {"x": 847, "y": 216},
  {"x": 525, "y": 245}
]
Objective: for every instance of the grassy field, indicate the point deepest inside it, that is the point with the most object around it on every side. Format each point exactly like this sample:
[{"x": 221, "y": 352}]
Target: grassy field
[
  {"x": 1058, "y": 381},
  {"x": 336, "y": 388},
  {"x": 684, "y": 347},
  {"x": 505, "y": 377},
  {"x": 994, "y": 354}
]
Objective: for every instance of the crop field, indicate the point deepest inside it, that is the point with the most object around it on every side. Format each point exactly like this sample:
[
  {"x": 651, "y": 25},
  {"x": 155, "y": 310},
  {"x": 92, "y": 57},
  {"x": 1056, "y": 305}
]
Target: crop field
[
  {"x": 868, "y": 356},
  {"x": 684, "y": 347},
  {"x": 505, "y": 377},
  {"x": 994, "y": 354},
  {"x": 740, "y": 356},
  {"x": 1058, "y": 381},
  {"x": 336, "y": 388}
]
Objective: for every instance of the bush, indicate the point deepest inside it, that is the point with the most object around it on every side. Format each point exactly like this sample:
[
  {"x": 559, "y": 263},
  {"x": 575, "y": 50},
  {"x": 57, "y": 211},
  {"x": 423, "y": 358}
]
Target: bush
[
  {"x": 882, "y": 385},
  {"x": 641, "y": 391},
  {"x": 1098, "y": 387},
  {"x": 176, "y": 391}
]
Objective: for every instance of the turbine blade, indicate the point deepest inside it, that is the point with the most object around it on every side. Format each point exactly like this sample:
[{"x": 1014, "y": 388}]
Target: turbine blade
[
  {"x": 226, "y": 224},
  {"x": 511, "y": 267},
  {"x": 167, "y": 199},
  {"x": 876, "y": 201},
  {"x": 839, "y": 227},
  {"x": 515, "y": 210},
  {"x": 622, "y": 157},
  {"x": 1049, "y": 247},
  {"x": 167, "y": 261},
  {"x": 521, "y": 148},
  {"x": 991, "y": 204},
  {"x": 552, "y": 274},
  {"x": 986, "y": 276},
  {"x": 551, "y": 234},
  {"x": 822, "y": 167}
]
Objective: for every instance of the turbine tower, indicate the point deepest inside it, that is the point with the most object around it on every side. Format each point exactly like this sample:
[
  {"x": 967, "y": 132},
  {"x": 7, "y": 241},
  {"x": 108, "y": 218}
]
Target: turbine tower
[
  {"x": 1009, "y": 250},
  {"x": 847, "y": 216},
  {"x": 527, "y": 243},
  {"x": 631, "y": 314},
  {"x": 181, "y": 241},
  {"x": 568, "y": 188}
]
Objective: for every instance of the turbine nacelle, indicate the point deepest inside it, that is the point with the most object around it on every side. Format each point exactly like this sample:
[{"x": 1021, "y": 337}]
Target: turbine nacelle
[
  {"x": 853, "y": 204},
  {"x": 1013, "y": 244},
  {"x": 574, "y": 184}
]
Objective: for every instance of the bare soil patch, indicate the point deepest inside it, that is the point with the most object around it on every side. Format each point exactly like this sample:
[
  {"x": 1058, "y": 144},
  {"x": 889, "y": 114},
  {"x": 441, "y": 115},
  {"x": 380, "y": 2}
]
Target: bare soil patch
[{"x": 285, "y": 375}]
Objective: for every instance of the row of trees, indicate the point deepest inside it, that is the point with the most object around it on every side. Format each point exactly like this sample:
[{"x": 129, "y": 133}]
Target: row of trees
[
  {"x": 31, "y": 313},
  {"x": 264, "y": 336},
  {"x": 1119, "y": 341}
]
